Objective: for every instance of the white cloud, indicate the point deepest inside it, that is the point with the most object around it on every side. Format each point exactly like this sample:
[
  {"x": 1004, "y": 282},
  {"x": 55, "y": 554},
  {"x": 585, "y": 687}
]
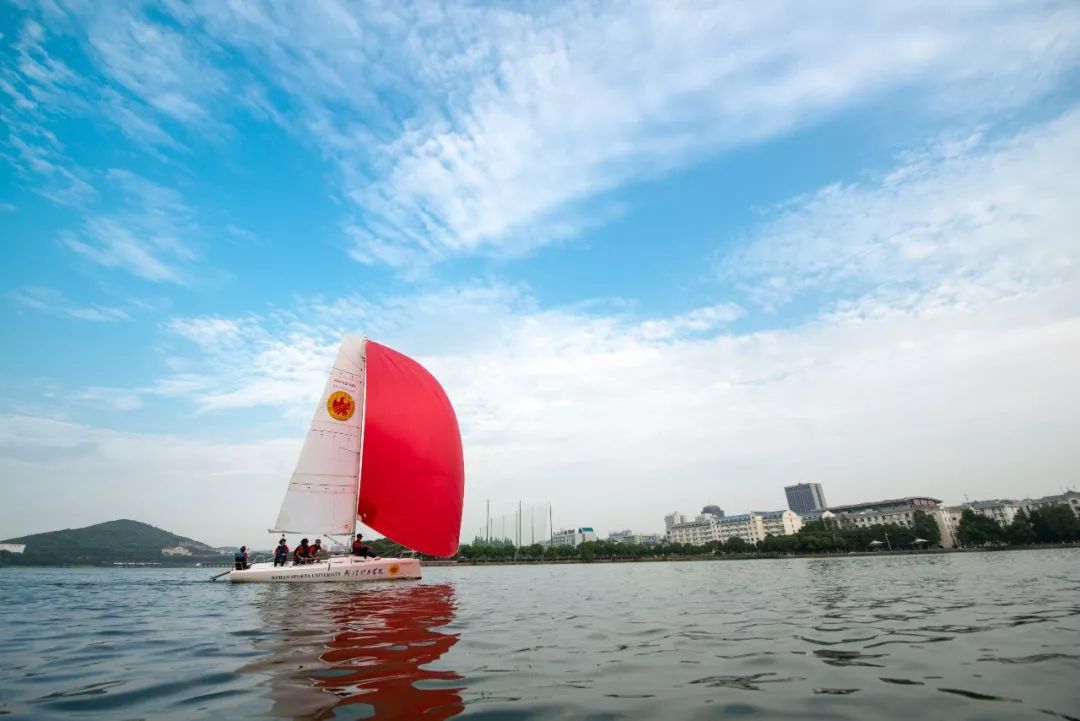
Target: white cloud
[
  {"x": 59, "y": 474},
  {"x": 115, "y": 399},
  {"x": 614, "y": 426},
  {"x": 503, "y": 121},
  {"x": 988, "y": 219},
  {"x": 946, "y": 367},
  {"x": 157, "y": 64},
  {"x": 53, "y": 302},
  {"x": 699, "y": 320},
  {"x": 40, "y": 88},
  {"x": 458, "y": 129},
  {"x": 944, "y": 372},
  {"x": 147, "y": 236},
  {"x": 243, "y": 364}
]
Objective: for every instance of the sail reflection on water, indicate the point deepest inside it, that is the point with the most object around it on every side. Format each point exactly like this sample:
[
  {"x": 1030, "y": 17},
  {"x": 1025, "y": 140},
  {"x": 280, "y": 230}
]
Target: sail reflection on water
[
  {"x": 358, "y": 653},
  {"x": 385, "y": 641}
]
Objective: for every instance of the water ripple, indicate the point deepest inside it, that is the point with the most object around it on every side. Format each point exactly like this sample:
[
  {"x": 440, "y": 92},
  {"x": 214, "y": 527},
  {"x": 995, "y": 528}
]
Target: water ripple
[{"x": 986, "y": 636}]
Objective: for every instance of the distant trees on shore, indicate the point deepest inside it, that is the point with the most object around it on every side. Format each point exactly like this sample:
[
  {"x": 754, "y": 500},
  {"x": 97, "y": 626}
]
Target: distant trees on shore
[{"x": 1055, "y": 524}]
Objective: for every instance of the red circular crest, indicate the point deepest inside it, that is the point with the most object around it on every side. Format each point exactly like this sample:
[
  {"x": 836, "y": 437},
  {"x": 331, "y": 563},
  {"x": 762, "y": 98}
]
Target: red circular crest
[{"x": 340, "y": 405}]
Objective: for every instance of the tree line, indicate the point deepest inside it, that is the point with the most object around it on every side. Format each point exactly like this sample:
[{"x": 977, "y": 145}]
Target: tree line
[{"x": 1055, "y": 524}]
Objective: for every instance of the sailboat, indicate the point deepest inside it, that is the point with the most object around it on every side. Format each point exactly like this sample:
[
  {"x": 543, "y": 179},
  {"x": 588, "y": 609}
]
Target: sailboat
[{"x": 383, "y": 448}]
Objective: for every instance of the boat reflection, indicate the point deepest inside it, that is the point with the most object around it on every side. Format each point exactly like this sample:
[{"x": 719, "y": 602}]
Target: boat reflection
[{"x": 385, "y": 637}]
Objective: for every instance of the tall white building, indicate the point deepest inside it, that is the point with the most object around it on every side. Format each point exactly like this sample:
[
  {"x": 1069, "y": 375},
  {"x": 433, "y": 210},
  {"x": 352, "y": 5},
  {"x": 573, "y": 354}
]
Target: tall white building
[
  {"x": 804, "y": 498},
  {"x": 673, "y": 519}
]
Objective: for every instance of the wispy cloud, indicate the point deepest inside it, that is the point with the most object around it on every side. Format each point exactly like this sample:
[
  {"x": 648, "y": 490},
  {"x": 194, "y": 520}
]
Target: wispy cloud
[
  {"x": 40, "y": 88},
  {"x": 976, "y": 216},
  {"x": 461, "y": 128},
  {"x": 505, "y": 120},
  {"x": 53, "y": 302},
  {"x": 963, "y": 350},
  {"x": 146, "y": 237},
  {"x": 157, "y": 63}
]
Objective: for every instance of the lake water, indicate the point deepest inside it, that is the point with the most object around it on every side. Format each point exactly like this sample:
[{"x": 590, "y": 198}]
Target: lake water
[{"x": 951, "y": 636}]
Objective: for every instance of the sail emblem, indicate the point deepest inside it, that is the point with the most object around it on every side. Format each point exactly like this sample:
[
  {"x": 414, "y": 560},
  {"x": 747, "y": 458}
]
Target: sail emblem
[{"x": 340, "y": 405}]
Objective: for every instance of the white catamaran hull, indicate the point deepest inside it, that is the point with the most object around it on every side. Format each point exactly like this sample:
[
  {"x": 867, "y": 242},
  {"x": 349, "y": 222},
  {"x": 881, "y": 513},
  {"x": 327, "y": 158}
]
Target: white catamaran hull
[{"x": 336, "y": 568}]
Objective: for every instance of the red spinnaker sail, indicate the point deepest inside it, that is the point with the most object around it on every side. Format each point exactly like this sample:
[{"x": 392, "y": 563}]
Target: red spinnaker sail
[{"x": 412, "y": 474}]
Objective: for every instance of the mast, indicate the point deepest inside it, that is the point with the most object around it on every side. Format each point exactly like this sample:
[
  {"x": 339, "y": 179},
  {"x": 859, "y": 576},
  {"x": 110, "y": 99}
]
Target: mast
[{"x": 360, "y": 441}]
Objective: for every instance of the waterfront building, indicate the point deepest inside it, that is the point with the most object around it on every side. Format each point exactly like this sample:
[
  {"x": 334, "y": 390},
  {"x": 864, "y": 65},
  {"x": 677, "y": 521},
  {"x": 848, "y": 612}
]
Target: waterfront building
[
  {"x": 747, "y": 526},
  {"x": 1071, "y": 499},
  {"x": 780, "y": 523},
  {"x": 897, "y": 511},
  {"x": 175, "y": 551},
  {"x": 713, "y": 511},
  {"x": 1001, "y": 510},
  {"x": 628, "y": 536},
  {"x": 13, "y": 547},
  {"x": 573, "y": 536},
  {"x": 805, "y": 498},
  {"x": 751, "y": 527},
  {"x": 891, "y": 511},
  {"x": 696, "y": 533},
  {"x": 673, "y": 519}
]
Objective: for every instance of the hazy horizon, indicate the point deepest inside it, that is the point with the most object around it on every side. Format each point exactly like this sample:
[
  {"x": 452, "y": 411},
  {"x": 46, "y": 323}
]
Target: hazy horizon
[{"x": 659, "y": 256}]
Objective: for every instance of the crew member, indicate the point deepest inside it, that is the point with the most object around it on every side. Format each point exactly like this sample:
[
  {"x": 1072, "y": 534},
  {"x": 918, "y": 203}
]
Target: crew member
[
  {"x": 359, "y": 549},
  {"x": 240, "y": 559},
  {"x": 301, "y": 553},
  {"x": 314, "y": 550},
  {"x": 281, "y": 553}
]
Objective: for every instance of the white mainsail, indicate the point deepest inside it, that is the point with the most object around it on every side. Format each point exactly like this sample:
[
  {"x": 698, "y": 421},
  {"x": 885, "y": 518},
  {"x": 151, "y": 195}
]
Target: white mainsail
[{"x": 322, "y": 494}]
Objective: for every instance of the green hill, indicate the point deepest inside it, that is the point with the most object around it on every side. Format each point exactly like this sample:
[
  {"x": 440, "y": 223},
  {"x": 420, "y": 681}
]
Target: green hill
[{"x": 106, "y": 543}]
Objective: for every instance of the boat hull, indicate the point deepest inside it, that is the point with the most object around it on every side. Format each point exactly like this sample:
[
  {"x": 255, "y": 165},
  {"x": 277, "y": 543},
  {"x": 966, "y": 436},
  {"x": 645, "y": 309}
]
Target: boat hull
[{"x": 341, "y": 569}]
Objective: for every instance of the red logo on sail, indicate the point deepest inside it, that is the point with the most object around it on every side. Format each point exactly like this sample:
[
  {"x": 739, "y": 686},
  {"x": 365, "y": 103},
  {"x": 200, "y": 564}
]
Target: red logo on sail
[{"x": 340, "y": 405}]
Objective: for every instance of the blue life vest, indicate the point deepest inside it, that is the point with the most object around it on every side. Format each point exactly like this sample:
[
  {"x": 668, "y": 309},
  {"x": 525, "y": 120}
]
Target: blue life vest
[{"x": 239, "y": 556}]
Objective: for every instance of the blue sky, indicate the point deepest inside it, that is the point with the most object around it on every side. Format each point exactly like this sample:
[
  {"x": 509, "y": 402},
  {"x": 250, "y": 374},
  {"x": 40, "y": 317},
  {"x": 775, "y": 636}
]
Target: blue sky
[{"x": 660, "y": 255}]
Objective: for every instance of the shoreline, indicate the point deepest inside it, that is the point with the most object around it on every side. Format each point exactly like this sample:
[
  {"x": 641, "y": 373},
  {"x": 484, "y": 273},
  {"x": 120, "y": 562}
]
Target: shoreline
[
  {"x": 449, "y": 563},
  {"x": 752, "y": 556}
]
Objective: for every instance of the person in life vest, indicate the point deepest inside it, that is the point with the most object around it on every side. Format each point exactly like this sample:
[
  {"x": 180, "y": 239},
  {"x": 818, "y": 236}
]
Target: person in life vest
[
  {"x": 281, "y": 553},
  {"x": 301, "y": 553},
  {"x": 314, "y": 550},
  {"x": 359, "y": 549},
  {"x": 240, "y": 559}
]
